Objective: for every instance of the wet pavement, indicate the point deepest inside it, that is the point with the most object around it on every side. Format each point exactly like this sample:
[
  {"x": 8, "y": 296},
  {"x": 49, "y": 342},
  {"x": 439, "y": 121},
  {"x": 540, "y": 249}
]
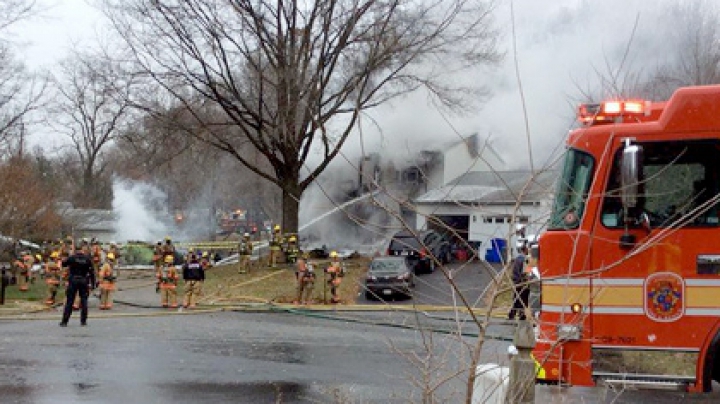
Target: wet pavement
[
  {"x": 216, "y": 358},
  {"x": 140, "y": 353}
]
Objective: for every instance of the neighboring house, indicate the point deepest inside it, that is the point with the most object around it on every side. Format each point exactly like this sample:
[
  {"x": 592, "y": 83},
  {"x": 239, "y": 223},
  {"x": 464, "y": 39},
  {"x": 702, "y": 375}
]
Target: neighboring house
[
  {"x": 87, "y": 223},
  {"x": 435, "y": 168},
  {"x": 483, "y": 205}
]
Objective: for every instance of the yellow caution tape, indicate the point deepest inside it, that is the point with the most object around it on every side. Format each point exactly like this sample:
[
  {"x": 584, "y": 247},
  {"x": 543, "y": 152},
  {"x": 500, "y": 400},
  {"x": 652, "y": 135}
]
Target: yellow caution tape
[{"x": 204, "y": 245}]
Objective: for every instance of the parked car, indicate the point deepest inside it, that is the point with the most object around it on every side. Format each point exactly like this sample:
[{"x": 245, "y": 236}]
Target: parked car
[
  {"x": 419, "y": 248},
  {"x": 388, "y": 276}
]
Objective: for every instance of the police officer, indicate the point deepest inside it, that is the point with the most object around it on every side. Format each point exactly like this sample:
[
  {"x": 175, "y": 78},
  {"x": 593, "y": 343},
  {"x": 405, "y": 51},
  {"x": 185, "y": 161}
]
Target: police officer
[
  {"x": 193, "y": 275},
  {"x": 81, "y": 278}
]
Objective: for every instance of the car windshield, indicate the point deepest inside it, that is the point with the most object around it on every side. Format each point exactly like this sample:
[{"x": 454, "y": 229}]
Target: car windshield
[
  {"x": 388, "y": 267},
  {"x": 405, "y": 243}
]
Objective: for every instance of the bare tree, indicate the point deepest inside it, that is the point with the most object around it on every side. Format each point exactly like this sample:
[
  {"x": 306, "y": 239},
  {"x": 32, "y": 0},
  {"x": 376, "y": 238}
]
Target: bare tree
[
  {"x": 293, "y": 78},
  {"x": 20, "y": 93},
  {"x": 696, "y": 53},
  {"x": 92, "y": 108},
  {"x": 26, "y": 203},
  {"x": 13, "y": 11}
]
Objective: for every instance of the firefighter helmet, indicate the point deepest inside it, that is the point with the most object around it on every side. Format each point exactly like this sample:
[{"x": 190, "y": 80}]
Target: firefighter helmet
[
  {"x": 292, "y": 239},
  {"x": 111, "y": 257},
  {"x": 277, "y": 227},
  {"x": 169, "y": 259},
  {"x": 246, "y": 235},
  {"x": 54, "y": 254},
  {"x": 333, "y": 254},
  {"x": 205, "y": 254}
]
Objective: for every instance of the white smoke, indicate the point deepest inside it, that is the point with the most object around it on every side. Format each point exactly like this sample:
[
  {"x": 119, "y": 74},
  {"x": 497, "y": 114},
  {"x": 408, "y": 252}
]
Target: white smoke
[{"x": 140, "y": 211}]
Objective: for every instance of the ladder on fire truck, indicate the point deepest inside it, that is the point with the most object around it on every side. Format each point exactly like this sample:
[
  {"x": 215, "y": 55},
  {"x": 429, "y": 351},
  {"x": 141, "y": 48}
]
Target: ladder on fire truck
[{"x": 621, "y": 381}]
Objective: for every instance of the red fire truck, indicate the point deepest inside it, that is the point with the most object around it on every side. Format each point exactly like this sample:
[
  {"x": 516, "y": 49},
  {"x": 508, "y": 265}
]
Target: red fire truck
[{"x": 631, "y": 259}]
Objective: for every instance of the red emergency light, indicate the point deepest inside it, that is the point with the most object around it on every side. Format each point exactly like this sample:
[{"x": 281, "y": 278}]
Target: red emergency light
[{"x": 611, "y": 111}]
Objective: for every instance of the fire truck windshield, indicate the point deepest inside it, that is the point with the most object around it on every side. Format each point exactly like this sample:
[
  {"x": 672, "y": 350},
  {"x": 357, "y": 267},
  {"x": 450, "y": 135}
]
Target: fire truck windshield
[{"x": 572, "y": 190}]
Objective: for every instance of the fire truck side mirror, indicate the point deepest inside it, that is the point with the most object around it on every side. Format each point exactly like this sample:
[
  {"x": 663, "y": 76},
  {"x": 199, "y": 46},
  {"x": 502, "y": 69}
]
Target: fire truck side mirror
[{"x": 630, "y": 174}]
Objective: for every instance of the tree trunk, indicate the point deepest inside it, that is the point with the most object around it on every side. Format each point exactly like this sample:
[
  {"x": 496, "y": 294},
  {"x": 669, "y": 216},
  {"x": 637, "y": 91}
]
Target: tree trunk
[{"x": 290, "y": 211}]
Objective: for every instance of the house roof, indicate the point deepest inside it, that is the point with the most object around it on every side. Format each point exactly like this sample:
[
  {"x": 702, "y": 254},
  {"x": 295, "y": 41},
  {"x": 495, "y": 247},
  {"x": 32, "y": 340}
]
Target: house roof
[
  {"x": 90, "y": 219},
  {"x": 499, "y": 187}
]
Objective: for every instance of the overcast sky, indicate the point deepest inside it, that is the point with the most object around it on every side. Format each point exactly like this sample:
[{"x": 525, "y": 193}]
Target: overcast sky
[
  {"x": 61, "y": 25},
  {"x": 559, "y": 43}
]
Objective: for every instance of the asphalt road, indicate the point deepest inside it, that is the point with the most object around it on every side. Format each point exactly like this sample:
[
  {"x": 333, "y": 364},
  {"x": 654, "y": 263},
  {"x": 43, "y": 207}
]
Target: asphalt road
[
  {"x": 139, "y": 353},
  {"x": 219, "y": 358}
]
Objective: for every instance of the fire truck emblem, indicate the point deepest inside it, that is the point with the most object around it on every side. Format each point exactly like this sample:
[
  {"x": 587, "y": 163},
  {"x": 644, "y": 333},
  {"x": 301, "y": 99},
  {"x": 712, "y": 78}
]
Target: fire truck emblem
[{"x": 664, "y": 296}]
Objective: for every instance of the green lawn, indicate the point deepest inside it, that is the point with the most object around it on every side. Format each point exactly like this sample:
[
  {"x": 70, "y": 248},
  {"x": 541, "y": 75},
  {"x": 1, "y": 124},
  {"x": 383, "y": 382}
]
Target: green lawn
[{"x": 263, "y": 284}]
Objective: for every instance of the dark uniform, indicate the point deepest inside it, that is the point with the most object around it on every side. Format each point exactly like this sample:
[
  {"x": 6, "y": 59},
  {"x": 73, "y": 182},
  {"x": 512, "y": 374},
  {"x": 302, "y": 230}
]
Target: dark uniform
[
  {"x": 193, "y": 275},
  {"x": 80, "y": 278},
  {"x": 521, "y": 293}
]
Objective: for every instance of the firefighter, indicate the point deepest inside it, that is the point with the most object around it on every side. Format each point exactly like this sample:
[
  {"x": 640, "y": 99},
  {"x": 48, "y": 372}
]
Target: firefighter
[
  {"x": 167, "y": 278},
  {"x": 205, "y": 261},
  {"x": 23, "y": 267},
  {"x": 96, "y": 254},
  {"x": 276, "y": 241},
  {"x": 46, "y": 249},
  {"x": 245, "y": 249},
  {"x": 335, "y": 272},
  {"x": 292, "y": 251},
  {"x": 168, "y": 250},
  {"x": 113, "y": 248},
  {"x": 158, "y": 256},
  {"x": 193, "y": 275},
  {"x": 67, "y": 248},
  {"x": 53, "y": 276},
  {"x": 107, "y": 276},
  {"x": 305, "y": 278},
  {"x": 80, "y": 279},
  {"x": 521, "y": 292}
]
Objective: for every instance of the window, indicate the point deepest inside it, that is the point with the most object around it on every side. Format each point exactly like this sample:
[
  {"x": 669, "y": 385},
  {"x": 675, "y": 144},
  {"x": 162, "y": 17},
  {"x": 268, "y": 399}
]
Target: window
[
  {"x": 679, "y": 187},
  {"x": 572, "y": 190}
]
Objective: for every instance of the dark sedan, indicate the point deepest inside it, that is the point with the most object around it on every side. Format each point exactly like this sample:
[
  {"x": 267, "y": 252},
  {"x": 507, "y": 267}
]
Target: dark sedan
[
  {"x": 421, "y": 249},
  {"x": 389, "y": 276}
]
